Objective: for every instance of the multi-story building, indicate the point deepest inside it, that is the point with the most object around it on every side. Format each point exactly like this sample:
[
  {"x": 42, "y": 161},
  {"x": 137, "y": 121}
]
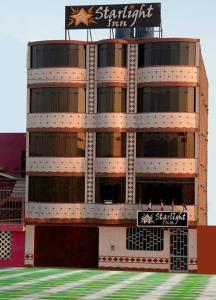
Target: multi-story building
[{"x": 112, "y": 126}]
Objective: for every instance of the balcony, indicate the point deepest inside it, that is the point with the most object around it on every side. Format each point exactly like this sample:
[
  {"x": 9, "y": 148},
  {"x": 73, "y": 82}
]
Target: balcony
[
  {"x": 85, "y": 212},
  {"x": 12, "y": 199},
  {"x": 177, "y": 121}
]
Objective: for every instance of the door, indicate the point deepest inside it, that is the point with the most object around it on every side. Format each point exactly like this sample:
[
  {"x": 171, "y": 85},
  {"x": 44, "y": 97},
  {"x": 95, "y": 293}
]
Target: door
[
  {"x": 66, "y": 246},
  {"x": 179, "y": 250}
]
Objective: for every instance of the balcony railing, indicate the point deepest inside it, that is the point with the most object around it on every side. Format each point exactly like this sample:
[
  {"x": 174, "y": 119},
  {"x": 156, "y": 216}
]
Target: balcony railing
[
  {"x": 95, "y": 211},
  {"x": 12, "y": 199}
]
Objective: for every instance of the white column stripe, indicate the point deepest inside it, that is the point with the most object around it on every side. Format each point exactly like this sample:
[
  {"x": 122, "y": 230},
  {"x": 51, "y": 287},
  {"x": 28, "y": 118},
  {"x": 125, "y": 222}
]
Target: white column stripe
[
  {"x": 68, "y": 286},
  {"x": 209, "y": 291},
  {"x": 115, "y": 287},
  {"x": 164, "y": 288},
  {"x": 10, "y": 269},
  {"x": 22, "y": 274},
  {"x": 30, "y": 282}
]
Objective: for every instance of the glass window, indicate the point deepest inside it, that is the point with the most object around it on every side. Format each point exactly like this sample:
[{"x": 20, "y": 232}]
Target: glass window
[
  {"x": 169, "y": 190},
  {"x": 57, "y": 55},
  {"x": 166, "y": 99},
  {"x": 110, "y": 144},
  {"x": 112, "y": 55},
  {"x": 57, "y": 144},
  {"x": 56, "y": 189},
  {"x": 165, "y": 144},
  {"x": 57, "y": 100},
  {"x": 145, "y": 239},
  {"x": 111, "y": 99},
  {"x": 110, "y": 190},
  {"x": 166, "y": 53}
]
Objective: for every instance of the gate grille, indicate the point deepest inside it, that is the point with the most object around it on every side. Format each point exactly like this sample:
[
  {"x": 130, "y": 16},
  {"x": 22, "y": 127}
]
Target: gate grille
[{"x": 179, "y": 250}]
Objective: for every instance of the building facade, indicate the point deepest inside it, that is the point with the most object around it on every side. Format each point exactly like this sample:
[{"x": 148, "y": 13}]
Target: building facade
[
  {"x": 12, "y": 199},
  {"x": 112, "y": 126}
]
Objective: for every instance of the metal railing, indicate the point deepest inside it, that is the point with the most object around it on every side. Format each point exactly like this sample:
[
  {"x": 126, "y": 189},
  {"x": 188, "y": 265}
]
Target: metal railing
[{"x": 12, "y": 199}]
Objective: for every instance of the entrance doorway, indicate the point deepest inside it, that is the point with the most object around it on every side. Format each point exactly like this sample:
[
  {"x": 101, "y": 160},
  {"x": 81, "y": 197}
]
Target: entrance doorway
[
  {"x": 179, "y": 250},
  {"x": 66, "y": 246}
]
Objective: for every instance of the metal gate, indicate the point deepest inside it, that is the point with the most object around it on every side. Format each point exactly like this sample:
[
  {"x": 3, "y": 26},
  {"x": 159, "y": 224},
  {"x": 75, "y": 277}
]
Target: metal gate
[{"x": 179, "y": 250}]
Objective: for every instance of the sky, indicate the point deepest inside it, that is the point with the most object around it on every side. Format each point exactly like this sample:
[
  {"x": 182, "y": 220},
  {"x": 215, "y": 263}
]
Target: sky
[{"x": 31, "y": 20}]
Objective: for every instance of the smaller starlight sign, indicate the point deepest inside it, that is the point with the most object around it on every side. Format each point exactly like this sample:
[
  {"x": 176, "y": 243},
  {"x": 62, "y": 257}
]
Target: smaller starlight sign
[
  {"x": 162, "y": 219},
  {"x": 113, "y": 16}
]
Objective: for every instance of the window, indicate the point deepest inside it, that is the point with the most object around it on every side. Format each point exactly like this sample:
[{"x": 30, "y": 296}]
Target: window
[
  {"x": 55, "y": 189},
  {"x": 110, "y": 189},
  {"x": 145, "y": 239},
  {"x": 166, "y": 53},
  {"x": 112, "y": 55},
  {"x": 110, "y": 144},
  {"x": 166, "y": 99},
  {"x": 168, "y": 189},
  {"x": 111, "y": 99},
  {"x": 165, "y": 144},
  {"x": 45, "y": 100},
  {"x": 57, "y": 144},
  {"x": 57, "y": 55}
]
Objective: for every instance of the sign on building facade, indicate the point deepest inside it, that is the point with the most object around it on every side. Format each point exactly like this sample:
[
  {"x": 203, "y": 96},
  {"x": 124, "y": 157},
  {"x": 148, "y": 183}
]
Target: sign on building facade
[
  {"x": 162, "y": 219},
  {"x": 113, "y": 16}
]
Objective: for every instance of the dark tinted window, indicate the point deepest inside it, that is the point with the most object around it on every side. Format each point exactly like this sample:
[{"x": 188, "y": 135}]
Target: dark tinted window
[
  {"x": 165, "y": 144},
  {"x": 166, "y": 53},
  {"x": 166, "y": 99},
  {"x": 57, "y": 144},
  {"x": 111, "y": 99},
  {"x": 109, "y": 144},
  {"x": 168, "y": 189},
  {"x": 56, "y": 189},
  {"x": 112, "y": 55},
  {"x": 57, "y": 55},
  {"x": 57, "y": 100},
  {"x": 110, "y": 190}
]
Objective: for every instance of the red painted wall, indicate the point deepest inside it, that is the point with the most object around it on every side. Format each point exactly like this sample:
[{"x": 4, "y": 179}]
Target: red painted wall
[
  {"x": 11, "y": 147},
  {"x": 18, "y": 246},
  {"x": 206, "y": 250}
]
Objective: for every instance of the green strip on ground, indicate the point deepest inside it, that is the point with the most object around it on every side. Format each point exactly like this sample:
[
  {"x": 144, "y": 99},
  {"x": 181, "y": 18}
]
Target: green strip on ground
[
  {"x": 92, "y": 287},
  {"x": 38, "y": 287},
  {"x": 139, "y": 288},
  {"x": 190, "y": 288}
]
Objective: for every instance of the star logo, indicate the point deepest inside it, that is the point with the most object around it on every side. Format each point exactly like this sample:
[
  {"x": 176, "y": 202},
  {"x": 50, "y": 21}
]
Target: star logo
[
  {"x": 147, "y": 219},
  {"x": 81, "y": 16}
]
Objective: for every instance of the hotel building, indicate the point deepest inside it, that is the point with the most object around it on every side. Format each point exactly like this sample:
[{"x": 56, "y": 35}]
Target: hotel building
[{"x": 113, "y": 125}]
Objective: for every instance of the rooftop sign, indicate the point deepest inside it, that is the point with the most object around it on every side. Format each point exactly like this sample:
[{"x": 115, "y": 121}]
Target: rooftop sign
[
  {"x": 113, "y": 16},
  {"x": 162, "y": 219}
]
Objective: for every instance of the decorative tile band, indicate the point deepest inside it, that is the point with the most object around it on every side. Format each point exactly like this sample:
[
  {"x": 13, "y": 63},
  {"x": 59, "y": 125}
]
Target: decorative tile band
[
  {"x": 90, "y": 167},
  {"x": 112, "y": 120},
  {"x": 192, "y": 261},
  {"x": 90, "y": 137},
  {"x": 112, "y": 74},
  {"x": 131, "y": 136},
  {"x": 127, "y": 259},
  {"x": 168, "y": 74},
  {"x": 56, "y": 75}
]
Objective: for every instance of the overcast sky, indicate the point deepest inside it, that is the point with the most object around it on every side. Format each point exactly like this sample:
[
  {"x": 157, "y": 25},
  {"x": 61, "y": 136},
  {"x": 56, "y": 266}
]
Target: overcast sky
[{"x": 30, "y": 20}]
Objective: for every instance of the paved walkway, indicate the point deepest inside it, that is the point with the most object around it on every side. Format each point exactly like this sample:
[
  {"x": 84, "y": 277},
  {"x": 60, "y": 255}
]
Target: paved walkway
[{"x": 85, "y": 284}]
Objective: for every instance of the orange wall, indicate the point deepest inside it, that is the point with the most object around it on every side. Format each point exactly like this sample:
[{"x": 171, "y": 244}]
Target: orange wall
[{"x": 206, "y": 249}]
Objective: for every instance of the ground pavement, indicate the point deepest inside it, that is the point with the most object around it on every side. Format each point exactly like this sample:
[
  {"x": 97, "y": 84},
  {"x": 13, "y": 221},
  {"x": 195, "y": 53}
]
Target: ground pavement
[{"x": 85, "y": 284}]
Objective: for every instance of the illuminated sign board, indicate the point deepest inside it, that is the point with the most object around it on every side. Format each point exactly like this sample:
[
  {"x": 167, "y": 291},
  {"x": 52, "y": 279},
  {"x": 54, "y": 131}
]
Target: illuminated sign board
[
  {"x": 113, "y": 16},
  {"x": 162, "y": 219}
]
